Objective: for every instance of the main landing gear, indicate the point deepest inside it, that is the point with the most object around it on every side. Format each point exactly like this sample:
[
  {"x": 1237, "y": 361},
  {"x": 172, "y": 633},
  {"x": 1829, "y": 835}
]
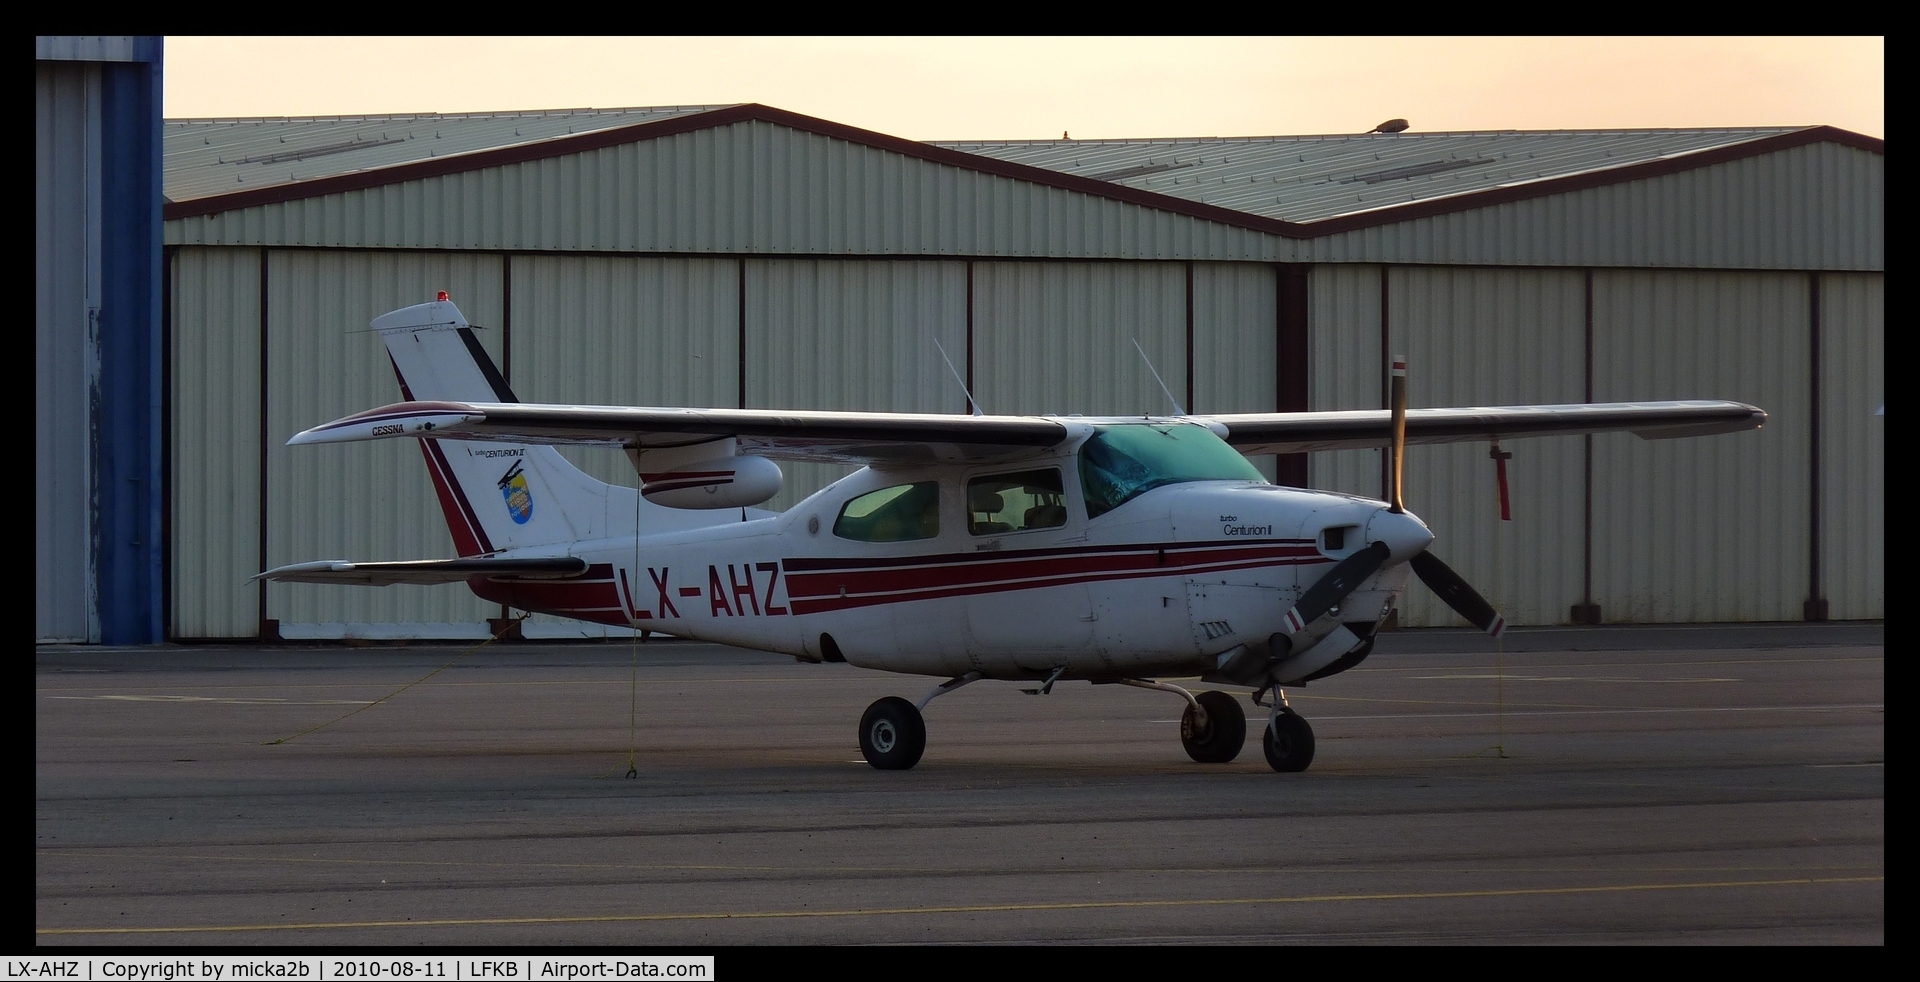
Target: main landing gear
[
  {"x": 1214, "y": 727},
  {"x": 893, "y": 734}
]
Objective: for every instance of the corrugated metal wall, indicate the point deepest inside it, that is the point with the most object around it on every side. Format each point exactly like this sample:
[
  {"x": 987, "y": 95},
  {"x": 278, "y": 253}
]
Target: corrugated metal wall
[
  {"x": 1348, "y": 367},
  {"x": 215, "y": 435},
  {"x": 1234, "y": 340},
  {"x": 855, "y": 336},
  {"x": 1059, "y": 337},
  {"x": 1820, "y": 206},
  {"x": 370, "y": 501},
  {"x": 66, "y": 298},
  {"x": 1709, "y": 529},
  {"x": 751, "y": 187},
  {"x": 1853, "y": 453},
  {"x": 1471, "y": 337},
  {"x": 1690, "y": 530},
  {"x": 624, "y": 332},
  {"x": 1477, "y": 337}
]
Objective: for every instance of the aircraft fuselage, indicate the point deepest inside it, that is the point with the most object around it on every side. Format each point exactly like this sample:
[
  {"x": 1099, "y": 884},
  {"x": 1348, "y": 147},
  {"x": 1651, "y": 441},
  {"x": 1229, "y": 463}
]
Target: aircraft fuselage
[{"x": 1167, "y": 583}]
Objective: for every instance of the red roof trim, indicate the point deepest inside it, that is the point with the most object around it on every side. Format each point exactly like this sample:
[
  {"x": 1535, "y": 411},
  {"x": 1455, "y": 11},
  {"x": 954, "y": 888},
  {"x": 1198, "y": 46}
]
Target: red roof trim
[{"x": 655, "y": 129}]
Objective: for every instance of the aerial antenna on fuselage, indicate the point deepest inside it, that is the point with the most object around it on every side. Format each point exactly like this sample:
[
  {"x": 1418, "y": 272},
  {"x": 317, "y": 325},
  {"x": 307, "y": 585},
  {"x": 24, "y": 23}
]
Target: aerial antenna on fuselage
[
  {"x": 1177, "y": 410},
  {"x": 956, "y": 375}
]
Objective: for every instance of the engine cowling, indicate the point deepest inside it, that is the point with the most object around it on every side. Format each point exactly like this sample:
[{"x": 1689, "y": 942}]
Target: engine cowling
[{"x": 723, "y": 482}]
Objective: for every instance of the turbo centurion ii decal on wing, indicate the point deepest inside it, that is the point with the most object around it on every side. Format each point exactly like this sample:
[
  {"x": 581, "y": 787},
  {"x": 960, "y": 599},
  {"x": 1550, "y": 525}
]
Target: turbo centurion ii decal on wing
[{"x": 1040, "y": 549}]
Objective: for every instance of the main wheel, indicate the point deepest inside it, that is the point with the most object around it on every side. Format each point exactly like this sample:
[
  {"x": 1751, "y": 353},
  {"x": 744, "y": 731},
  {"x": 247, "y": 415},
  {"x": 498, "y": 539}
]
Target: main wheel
[
  {"x": 1223, "y": 735},
  {"x": 892, "y": 734},
  {"x": 1291, "y": 748}
]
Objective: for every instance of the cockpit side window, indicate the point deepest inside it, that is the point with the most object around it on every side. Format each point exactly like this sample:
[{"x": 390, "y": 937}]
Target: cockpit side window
[
  {"x": 900, "y": 513},
  {"x": 1016, "y": 502},
  {"x": 1119, "y": 463}
]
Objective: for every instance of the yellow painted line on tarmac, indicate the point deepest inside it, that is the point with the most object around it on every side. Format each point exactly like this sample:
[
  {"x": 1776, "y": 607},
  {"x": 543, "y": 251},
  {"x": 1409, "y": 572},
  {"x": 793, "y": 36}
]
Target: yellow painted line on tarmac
[
  {"x": 656, "y": 683},
  {"x": 1689, "y": 663},
  {"x": 227, "y": 700},
  {"x": 1491, "y": 676},
  {"x": 962, "y": 908}
]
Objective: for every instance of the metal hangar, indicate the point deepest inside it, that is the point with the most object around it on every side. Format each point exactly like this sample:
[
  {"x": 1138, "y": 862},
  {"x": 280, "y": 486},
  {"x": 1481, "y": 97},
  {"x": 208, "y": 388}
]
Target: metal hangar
[{"x": 748, "y": 256}]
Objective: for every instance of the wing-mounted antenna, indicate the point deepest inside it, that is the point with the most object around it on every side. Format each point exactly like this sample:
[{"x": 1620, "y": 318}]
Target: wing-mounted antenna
[
  {"x": 956, "y": 375},
  {"x": 1177, "y": 409}
]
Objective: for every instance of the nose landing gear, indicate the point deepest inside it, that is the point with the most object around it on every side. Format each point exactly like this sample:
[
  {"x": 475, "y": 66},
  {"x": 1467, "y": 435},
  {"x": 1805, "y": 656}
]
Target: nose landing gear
[{"x": 1288, "y": 740}]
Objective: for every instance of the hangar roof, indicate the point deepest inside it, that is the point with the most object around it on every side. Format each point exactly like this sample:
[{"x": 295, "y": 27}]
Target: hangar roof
[
  {"x": 219, "y": 156},
  {"x": 1296, "y": 187},
  {"x": 1310, "y": 178}
]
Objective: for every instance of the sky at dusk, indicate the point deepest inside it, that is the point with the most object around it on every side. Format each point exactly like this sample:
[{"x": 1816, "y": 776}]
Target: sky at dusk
[{"x": 1038, "y": 88}]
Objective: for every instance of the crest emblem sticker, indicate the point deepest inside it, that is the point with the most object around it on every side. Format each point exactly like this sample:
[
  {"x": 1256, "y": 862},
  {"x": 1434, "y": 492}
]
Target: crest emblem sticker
[{"x": 513, "y": 487}]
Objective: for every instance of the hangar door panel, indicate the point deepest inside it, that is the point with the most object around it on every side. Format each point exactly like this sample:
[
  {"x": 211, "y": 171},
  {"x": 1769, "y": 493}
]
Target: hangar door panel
[
  {"x": 855, "y": 336},
  {"x": 216, "y": 438},
  {"x": 1059, "y": 337},
  {"x": 368, "y": 500},
  {"x": 1853, "y": 452},
  {"x": 1495, "y": 337},
  {"x": 1712, "y": 528}
]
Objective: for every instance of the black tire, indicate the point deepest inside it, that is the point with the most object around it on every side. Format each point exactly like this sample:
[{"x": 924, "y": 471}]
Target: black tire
[
  {"x": 1223, "y": 736},
  {"x": 1290, "y": 750},
  {"x": 892, "y": 734}
]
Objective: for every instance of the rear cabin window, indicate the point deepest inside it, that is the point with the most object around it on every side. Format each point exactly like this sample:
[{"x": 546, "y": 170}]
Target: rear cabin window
[
  {"x": 1016, "y": 502},
  {"x": 900, "y": 513}
]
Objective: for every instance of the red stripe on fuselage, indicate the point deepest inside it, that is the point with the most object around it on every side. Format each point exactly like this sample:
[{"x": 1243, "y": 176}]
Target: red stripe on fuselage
[
  {"x": 806, "y": 578},
  {"x": 591, "y": 597},
  {"x": 930, "y": 578}
]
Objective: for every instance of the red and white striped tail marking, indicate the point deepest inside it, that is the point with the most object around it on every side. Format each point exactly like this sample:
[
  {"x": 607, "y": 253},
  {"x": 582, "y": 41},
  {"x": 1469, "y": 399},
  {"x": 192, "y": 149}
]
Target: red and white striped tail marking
[{"x": 1498, "y": 627}]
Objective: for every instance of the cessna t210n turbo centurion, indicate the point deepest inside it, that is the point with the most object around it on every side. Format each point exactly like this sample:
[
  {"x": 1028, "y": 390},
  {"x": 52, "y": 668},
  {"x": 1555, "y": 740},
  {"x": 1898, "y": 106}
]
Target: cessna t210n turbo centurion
[{"x": 1038, "y": 549}]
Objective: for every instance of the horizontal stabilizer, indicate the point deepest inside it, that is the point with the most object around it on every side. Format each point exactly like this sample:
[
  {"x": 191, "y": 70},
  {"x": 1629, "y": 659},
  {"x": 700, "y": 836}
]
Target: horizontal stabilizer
[{"x": 425, "y": 570}]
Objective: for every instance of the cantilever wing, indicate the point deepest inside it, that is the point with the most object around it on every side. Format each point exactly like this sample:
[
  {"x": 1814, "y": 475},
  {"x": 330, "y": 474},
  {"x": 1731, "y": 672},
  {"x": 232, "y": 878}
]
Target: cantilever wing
[
  {"x": 425, "y": 570},
  {"x": 1262, "y": 433},
  {"x": 862, "y": 438}
]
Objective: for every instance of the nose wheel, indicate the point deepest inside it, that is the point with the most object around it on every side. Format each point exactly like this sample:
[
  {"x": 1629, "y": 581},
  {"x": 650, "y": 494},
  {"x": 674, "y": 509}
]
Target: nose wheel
[{"x": 1288, "y": 742}]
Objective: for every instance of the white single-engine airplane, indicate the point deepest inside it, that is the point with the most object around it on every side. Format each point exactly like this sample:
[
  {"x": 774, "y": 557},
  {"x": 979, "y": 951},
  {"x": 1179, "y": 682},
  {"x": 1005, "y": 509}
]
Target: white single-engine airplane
[{"x": 1041, "y": 549}]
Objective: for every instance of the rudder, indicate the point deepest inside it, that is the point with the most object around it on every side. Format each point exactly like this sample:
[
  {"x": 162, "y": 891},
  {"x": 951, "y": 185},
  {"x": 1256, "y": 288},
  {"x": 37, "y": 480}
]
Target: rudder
[{"x": 495, "y": 496}]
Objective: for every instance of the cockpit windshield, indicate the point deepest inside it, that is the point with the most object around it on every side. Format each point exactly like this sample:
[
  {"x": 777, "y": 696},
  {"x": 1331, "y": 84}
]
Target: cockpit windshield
[{"x": 1120, "y": 462}]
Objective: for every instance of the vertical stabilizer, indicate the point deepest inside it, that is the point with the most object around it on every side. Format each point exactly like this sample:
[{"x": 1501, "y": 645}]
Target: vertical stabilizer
[{"x": 500, "y": 496}]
